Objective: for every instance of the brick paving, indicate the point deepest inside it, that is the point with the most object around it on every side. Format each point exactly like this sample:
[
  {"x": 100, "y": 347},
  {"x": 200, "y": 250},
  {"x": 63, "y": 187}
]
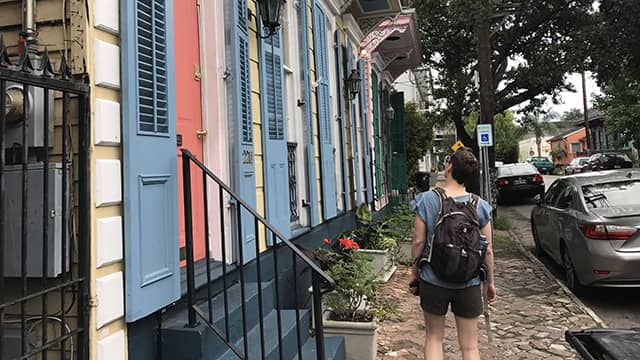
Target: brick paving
[{"x": 528, "y": 318}]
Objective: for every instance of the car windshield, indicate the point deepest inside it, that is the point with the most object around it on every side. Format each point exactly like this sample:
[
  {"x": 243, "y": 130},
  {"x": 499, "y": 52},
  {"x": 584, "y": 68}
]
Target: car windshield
[
  {"x": 584, "y": 161},
  {"x": 540, "y": 158},
  {"x": 517, "y": 169},
  {"x": 619, "y": 193}
]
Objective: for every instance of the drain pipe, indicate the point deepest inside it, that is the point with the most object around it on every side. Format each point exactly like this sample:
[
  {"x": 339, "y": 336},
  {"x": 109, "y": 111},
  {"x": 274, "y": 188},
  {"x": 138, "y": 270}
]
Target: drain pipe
[{"x": 29, "y": 26}]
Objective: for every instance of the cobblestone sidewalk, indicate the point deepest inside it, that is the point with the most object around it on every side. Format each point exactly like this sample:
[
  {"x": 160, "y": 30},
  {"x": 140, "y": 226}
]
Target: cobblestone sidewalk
[{"x": 528, "y": 318}]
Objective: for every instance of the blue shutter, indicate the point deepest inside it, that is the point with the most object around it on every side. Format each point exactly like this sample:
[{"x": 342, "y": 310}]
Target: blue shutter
[
  {"x": 303, "y": 35},
  {"x": 274, "y": 139},
  {"x": 343, "y": 134},
  {"x": 354, "y": 128},
  {"x": 152, "y": 273},
  {"x": 244, "y": 179},
  {"x": 366, "y": 136},
  {"x": 327, "y": 167}
]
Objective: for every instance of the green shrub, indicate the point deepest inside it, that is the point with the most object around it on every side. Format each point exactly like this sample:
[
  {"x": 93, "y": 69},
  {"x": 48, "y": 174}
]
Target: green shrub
[{"x": 502, "y": 223}]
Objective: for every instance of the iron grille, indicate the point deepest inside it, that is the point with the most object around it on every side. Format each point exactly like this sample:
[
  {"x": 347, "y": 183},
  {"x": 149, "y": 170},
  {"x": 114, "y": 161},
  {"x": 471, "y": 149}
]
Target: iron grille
[
  {"x": 293, "y": 182},
  {"x": 44, "y": 209}
]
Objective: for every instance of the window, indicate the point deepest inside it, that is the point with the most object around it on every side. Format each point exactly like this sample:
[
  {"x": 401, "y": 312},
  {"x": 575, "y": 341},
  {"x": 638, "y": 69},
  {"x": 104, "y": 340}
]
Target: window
[
  {"x": 576, "y": 147},
  {"x": 565, "y": 196},
  {"x": 620, "y": 193},
  {"x": 552, "y": 194}
]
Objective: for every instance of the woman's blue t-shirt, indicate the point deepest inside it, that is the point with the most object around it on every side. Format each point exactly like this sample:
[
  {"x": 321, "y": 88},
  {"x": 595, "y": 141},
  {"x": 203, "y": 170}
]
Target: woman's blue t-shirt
[{"x": 427, "y": 206}]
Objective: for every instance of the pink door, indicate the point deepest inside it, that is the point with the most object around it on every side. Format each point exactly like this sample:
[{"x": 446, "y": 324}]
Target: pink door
[{"x": 189, "y": 115}]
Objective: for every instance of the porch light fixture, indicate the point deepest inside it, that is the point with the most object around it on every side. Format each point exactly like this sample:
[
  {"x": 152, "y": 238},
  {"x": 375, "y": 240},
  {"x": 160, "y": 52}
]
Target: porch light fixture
[
  {"x": 390, "y": 113},
  {"x": 353, "y": 83},
  {"x": 270, "y": 13}
]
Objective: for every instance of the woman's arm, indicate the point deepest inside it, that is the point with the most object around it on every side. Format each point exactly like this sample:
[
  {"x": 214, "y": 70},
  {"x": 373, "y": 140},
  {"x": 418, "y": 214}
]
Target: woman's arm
[
  {"x": 417, "y": 246},
  {"x": 486, "y": 231}
]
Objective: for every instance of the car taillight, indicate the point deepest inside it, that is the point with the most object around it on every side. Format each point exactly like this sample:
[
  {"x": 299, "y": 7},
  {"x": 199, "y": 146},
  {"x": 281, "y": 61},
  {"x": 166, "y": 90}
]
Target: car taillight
[
  {"x": 502, "y": 182},
  {"x": 607, "y": 232},
  {"x": 538, "y": 179}
]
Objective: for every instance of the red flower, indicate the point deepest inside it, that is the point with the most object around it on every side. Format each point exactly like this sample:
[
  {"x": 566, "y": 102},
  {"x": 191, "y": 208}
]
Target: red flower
[
  {"x": 326, "y": 241},
  {"x": 349, "y": 244}
]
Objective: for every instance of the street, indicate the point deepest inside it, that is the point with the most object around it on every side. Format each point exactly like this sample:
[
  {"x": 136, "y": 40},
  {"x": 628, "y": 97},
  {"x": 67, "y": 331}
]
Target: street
[{"x": 618, "y": 307}]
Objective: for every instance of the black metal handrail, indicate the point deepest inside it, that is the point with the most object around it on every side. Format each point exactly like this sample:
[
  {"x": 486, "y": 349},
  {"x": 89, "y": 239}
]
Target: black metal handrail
[{"x": 321, "y": 282}]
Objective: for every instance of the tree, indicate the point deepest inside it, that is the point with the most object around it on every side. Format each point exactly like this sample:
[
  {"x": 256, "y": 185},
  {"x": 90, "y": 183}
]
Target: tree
[
  {"x": 572, "y": 117},
  {"x": 621, "y": 102},
  {"x": 419, "y": 134},
  {"x": 540, "y": 127},
  {"x": 546, "y": 37},
  {"x": 616, "y": 60}
]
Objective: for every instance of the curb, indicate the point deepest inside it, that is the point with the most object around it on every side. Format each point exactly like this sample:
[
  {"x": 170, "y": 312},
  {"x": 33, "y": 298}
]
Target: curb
[{"x": 587, "y": 310}]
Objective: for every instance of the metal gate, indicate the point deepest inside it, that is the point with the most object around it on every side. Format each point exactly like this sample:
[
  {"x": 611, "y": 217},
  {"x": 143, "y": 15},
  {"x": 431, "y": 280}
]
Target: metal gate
[{"x": 44, "y": 209}]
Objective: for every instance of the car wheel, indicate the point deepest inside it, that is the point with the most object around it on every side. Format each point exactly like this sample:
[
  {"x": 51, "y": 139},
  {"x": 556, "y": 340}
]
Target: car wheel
[
  {"x": 536, "y": 240},
  {"x": 570, "y": 274}
]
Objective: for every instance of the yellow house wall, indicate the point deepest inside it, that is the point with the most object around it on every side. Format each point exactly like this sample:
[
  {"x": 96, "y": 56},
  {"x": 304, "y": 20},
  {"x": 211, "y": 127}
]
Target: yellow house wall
[
  {"x": 258, "y": 151},
  {"x": 314, "y": 109}
]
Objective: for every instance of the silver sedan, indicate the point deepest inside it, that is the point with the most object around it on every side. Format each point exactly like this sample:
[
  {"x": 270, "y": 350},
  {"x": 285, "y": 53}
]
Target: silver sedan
[{"x": 590, "y": 224}]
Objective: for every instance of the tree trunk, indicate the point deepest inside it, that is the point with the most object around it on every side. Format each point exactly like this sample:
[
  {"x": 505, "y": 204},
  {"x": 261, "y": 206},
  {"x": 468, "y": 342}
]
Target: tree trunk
[
  {"x": 538, "y": 142},
  {"x": 487, "y": 98}
]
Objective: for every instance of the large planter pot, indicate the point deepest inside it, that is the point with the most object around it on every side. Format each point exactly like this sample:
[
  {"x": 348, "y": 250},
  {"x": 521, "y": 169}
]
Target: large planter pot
[
  {"x": 361, "y": 340},
  {"x": 382, "y": 263}
]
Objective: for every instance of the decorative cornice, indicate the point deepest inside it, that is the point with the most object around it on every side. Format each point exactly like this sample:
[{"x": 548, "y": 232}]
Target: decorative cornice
[{"x": 352, "y": 28}]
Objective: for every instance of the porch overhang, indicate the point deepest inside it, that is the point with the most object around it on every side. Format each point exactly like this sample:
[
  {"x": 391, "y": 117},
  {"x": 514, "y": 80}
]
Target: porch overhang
[{"x": 396, "y": 43}]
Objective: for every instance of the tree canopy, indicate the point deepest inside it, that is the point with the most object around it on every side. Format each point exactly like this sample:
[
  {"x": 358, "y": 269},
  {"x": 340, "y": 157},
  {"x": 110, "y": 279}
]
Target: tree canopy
[
  {"x": 616, "y": 59},
  {"x": 534, "y": 44},
  {"x": 419, "y": 134}
]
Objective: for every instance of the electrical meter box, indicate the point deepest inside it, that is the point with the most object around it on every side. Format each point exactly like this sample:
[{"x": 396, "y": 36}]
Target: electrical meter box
[{"x": 35, "y": 220}]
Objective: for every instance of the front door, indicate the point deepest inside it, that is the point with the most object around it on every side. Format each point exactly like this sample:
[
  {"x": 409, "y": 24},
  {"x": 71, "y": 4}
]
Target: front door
[{"x": 190, "y": 133}]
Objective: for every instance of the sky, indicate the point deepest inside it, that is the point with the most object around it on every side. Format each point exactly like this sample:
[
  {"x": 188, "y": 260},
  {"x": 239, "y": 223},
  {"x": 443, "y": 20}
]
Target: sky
[{"x": 574, "y": 99}]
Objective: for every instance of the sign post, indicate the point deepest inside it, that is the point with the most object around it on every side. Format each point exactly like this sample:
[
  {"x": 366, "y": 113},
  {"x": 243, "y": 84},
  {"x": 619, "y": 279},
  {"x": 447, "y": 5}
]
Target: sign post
[{"x": 485, "y": 140}]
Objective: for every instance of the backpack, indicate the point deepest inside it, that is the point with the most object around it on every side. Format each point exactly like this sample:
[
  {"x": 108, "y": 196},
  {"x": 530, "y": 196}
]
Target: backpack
[{"x": 455, "y": 254}]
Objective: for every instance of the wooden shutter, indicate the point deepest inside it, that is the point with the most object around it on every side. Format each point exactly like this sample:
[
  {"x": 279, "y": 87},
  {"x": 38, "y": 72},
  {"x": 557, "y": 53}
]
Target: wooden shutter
[
  {"x": 244, "y": 179},
  {"x": 152, "y": 274},
  {"x": 274, "y": 137},
  {"x": 354, "y": 127},
  {"x": 342, "y": 121},
  {"x": 366, "y": 136},
  {"x": 327, "y": 167},
  {"x": 303, "y": 35}
]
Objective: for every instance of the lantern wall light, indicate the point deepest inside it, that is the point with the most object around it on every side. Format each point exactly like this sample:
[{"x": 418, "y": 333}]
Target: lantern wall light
[
  {"x": 270, "y": 14},
  {"x": 353, "y": 83}
]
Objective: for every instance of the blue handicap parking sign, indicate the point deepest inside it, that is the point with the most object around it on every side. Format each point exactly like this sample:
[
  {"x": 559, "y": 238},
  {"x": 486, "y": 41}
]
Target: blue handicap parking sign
[{"x": 484, "y": 137}]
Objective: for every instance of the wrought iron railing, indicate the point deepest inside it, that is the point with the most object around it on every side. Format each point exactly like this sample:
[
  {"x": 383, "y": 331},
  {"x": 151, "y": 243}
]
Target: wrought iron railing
[
  {"x": 44, "y": 210},
  {"x": 282, "y": 252},
  {"x": 293, "y": 182}
]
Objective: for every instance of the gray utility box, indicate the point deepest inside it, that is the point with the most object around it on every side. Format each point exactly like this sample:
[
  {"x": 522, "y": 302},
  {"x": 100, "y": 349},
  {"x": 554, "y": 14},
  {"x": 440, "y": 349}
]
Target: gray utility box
[{"x": 12, "y": 212}]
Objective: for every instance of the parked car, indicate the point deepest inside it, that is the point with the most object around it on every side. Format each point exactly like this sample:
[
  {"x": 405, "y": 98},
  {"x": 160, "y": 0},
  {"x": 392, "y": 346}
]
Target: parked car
[
  {"x": 605, "y": 344},
  {"x": 518, "y": 181},
  {"x": 590, "y": 224},
  {"x": 576, "y": 165},
  {"x": 542, "y": 163},
  {"x": 608, "y": 161}
]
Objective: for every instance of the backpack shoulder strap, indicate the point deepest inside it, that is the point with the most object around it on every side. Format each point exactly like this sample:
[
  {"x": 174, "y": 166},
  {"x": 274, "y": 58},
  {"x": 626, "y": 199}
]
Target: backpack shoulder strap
[
  {"x": 475, "y": 199},
  {"x": 443, "y": 196},
  {"x": 441, "y": 192}
]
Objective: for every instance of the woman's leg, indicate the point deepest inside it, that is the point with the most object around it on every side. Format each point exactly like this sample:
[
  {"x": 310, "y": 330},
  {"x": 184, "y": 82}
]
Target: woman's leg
[
  {"x": 434, "y": 325},
  {"x": 468, "y": 337}
]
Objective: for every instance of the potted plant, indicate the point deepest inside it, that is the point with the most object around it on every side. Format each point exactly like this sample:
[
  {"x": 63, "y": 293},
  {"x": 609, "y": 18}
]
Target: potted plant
[
  {"x": 401, "y": 225},
  {"x": 352, "y": 310},
  {"x": 376, "y": 239}
]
